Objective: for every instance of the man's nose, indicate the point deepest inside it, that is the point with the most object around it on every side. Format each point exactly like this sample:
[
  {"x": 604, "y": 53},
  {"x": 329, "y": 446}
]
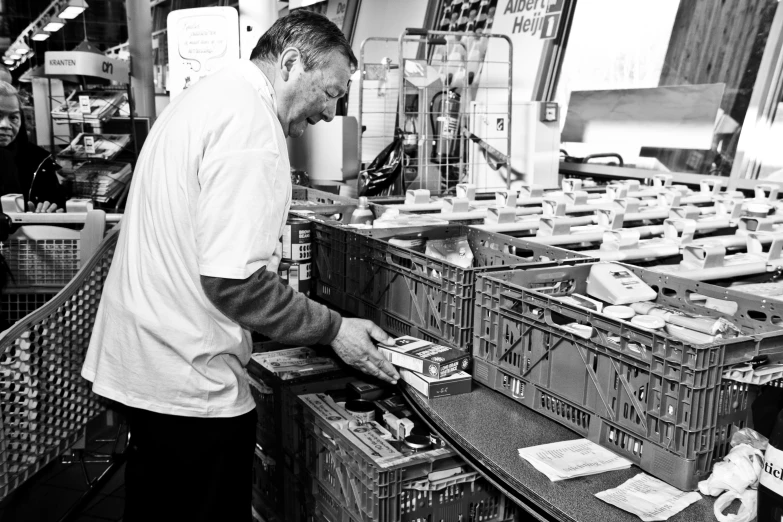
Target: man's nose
[
  {"x": 329, "y": 112},
  {"x": 5, "y": 122}
]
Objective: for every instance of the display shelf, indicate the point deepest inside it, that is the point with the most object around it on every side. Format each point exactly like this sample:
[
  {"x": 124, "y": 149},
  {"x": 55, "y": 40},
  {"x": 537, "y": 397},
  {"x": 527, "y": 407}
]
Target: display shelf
[
  {"x": 487, "y": 429},
  {"x": 100, "y": 150}
]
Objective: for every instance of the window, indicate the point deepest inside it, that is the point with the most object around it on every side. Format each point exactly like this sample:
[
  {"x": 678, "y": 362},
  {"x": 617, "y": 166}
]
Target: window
[{"x": 666, "y": 84}]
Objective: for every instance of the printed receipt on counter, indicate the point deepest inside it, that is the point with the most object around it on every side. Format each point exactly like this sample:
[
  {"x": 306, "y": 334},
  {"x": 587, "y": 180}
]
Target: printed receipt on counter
[
  {"x": 648, "y": 498},
  {"x": 572, "y": 458}
]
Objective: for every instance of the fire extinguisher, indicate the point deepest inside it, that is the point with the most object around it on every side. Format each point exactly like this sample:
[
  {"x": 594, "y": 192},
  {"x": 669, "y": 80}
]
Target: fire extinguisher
[{"x": 444, "y": 108}]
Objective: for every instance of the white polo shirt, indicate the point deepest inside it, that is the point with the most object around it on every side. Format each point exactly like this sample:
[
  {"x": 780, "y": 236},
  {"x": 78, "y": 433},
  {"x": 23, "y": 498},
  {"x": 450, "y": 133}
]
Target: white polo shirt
[{"x": 209, "y": 196}]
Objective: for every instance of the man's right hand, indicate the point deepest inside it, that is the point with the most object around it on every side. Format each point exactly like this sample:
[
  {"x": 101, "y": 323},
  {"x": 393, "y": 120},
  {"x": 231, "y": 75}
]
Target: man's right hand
[{"x": 354, "y": 345}]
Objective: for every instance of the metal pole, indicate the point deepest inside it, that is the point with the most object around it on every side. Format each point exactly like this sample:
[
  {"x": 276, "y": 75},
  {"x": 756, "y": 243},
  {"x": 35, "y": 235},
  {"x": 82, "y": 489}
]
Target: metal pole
[{"x": 140, "y": 44}]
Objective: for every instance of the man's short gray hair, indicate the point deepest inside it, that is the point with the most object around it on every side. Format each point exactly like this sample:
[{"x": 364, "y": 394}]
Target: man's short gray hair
[
  {"x": 6, "y": 89},
  {"x": 314, "y": 35}
]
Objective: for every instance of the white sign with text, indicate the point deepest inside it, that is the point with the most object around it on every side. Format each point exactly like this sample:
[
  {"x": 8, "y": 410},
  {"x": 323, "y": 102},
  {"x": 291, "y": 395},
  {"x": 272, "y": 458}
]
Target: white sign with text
[{"x": 201, "y": 41}]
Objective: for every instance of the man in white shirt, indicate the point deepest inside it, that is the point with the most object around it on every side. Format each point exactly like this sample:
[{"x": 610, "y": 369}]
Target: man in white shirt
[{"x": 196, "y": 268}]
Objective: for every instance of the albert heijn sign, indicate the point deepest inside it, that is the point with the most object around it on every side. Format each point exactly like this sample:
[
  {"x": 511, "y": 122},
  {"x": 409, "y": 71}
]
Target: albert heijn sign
[
  {"x": 534, "y": 18},
  {"x": 84, "y": 63}
]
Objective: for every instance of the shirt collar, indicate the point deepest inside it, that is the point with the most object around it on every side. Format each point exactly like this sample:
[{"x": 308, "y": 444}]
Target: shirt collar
[{"x": 258, "y": 79}]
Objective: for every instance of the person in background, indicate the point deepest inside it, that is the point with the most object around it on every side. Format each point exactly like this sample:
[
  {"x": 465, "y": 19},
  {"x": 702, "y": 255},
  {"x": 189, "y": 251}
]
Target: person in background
[
  {"x": 25, "y": 168},
  {"x": 196, "y": 269}
]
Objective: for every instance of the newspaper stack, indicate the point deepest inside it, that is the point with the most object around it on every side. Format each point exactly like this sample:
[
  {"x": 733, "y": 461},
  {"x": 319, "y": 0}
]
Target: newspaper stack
[
  {"x": 572, "y": 458},
  {"x": 99, "y": 106},
  {"x": 100, "y": 181},
  {"x": 96, "y": 146}
]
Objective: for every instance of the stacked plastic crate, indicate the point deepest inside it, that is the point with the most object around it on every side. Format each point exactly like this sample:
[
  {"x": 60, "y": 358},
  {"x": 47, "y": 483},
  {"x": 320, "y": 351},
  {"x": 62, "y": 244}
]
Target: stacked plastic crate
[
  {"x": 281, "y": 488},
  {"x": 361, "y": 475}
]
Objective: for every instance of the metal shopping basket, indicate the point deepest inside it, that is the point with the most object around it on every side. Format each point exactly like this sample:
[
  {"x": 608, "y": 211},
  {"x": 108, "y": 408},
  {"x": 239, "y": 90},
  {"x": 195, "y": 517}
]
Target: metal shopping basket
[{"x": 44, "y": 402}]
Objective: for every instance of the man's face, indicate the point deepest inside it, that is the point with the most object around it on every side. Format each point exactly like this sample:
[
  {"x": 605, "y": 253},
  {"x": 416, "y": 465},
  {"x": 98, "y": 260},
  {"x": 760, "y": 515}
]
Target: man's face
[
  {"x": 311, "y": 96},
  {"x": 10, "y": 119}
]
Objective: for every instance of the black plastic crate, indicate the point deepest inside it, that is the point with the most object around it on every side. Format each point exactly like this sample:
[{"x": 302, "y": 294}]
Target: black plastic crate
[
  {"x": 279, "y": 414},
  {"x": 331, "y": 235}
]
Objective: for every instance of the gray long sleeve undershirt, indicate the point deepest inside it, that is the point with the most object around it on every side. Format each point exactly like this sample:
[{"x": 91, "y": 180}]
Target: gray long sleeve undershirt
[{"x": 264, "y": 304}]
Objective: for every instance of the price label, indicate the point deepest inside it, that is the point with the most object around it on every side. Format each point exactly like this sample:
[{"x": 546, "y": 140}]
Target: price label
[
  {"x": 84, "y": 104},
  {"x": 89, "y": 144}
]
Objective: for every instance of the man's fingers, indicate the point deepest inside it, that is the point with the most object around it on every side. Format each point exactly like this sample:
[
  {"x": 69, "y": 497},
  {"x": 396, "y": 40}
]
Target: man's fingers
[
  {"x": 379, "y": 335},
  {"x": 30, "y": 206},
  {"x": 389, "y": 370},
  {"x": 39, "y": 207},
  {"x": 377, "y": 358},
  {"x": 52, "y": 207},
  {"x": 371, "y": 369}
]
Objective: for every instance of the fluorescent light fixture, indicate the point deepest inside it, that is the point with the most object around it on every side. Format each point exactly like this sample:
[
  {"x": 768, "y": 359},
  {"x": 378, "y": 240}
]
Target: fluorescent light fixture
[
  {"x": 54, "y": 25},
  {"x": 22, "y": 48},
  {"x": 73, "y": 8},
  {"x": 8, "y": 61},
  {"x": 40, "y": 36}
]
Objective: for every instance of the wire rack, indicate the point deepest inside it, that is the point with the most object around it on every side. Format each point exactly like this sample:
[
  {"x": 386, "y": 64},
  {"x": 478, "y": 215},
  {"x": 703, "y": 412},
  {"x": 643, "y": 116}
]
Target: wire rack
[{"x": 435, "y": 95}]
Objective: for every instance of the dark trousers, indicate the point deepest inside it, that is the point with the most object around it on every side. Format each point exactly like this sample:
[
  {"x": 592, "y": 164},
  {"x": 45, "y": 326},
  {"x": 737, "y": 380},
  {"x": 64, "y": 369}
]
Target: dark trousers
[{"x": 186, "y": 468}]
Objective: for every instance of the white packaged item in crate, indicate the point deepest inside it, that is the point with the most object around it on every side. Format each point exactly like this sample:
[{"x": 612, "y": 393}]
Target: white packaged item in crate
[{"x": 617, "y": 285}]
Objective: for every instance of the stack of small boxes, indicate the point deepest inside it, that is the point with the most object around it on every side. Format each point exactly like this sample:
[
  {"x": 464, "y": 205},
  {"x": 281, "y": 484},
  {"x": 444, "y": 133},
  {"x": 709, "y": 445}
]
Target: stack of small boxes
[{"x": 431, "y": 369}]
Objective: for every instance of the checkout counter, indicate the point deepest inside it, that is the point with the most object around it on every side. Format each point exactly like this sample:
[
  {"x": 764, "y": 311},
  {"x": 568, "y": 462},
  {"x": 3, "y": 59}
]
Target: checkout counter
[{"x": 487, "y": 428}]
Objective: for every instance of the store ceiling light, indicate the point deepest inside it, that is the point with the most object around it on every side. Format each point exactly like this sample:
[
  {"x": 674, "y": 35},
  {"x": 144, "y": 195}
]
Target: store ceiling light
[
  {"x": 54, "y": 25},
  {"x": 73, "y": 8},
  {"x": 8, "y": 61},
  {"x": 40, "y": 36}
]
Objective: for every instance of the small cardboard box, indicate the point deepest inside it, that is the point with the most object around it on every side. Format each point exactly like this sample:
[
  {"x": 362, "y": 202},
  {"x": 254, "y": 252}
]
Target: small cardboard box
[
  {"x": 425, "y": 357},
  {"x": 454, "y": 384}
]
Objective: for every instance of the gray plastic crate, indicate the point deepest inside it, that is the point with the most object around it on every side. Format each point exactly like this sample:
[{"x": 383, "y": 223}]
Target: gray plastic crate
[
  {"x": 434, "y": 295},
  {"x": 661, "y": 400}
]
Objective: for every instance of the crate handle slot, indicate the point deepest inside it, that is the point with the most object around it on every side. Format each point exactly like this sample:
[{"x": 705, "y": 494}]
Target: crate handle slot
[
  {"x": 415, "y": 265},
  {"x": 552, "y": 318}
]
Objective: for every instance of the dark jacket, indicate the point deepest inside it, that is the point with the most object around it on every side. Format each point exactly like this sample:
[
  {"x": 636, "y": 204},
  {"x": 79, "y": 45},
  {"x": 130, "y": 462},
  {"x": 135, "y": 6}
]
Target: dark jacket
[{"x": 26, "y": 168}]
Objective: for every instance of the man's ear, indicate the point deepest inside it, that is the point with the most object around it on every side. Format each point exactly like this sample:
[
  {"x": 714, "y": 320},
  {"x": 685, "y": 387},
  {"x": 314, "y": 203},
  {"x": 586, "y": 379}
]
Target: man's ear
[{"x": 288, "y": 59}]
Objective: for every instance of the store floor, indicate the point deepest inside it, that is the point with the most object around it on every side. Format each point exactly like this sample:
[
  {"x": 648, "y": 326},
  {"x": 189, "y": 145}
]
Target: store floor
[{"x": 54, "y": 490}]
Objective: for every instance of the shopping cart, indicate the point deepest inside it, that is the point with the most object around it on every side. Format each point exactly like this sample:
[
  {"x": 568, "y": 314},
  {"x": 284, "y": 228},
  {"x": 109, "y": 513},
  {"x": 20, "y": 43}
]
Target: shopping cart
[
  {"x": 44, "y": 253},
  {"x": 44, "y": 402}
]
